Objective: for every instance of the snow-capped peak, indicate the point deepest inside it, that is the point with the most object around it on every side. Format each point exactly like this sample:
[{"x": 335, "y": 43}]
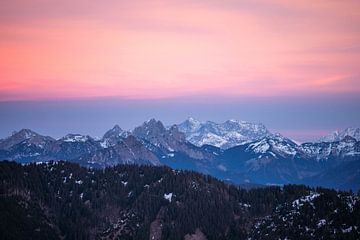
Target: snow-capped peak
[
  {"x": 190, "y": 125},
  {"x": 336, "y": 136},
  {"x": 225, "y": 135},
  {"x": 275, "y": 144}
]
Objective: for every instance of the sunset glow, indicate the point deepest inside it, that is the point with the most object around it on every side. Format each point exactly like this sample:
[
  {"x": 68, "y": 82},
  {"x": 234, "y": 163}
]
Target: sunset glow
[{"x": 159, "y": 49}]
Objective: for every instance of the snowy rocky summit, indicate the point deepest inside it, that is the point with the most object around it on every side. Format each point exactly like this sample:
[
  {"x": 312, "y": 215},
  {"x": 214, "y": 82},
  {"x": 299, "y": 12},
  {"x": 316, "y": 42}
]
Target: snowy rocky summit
[
  {"x": 113, "y": 136},
  {"x": 338, "y": 136},
  {"x": 274, "y": 145},
  {"x": 167, "y": 140},
  {"x": 224, "y": 135}
]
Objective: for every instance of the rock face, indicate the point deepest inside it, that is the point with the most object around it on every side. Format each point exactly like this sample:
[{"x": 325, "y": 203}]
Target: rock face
[
  {"x": 25, "y": 144},
  {"x": 128, "y": 151},
  {"x": 167, "y": 140},
  {"x": 113, "y": 136},
  {"x": 25, "y": 136},
  {"x": 338, "y": 136},
  {"x": 224, "y": 135}
]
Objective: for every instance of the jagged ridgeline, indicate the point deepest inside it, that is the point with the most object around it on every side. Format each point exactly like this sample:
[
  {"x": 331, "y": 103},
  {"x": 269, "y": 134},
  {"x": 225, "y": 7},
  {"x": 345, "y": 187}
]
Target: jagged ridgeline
[
  {"x": 61, "y": 200},
  {"x": 235, "y": 151}
]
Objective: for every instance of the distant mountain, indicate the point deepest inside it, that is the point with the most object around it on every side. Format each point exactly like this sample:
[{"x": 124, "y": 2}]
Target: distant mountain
[
  {"x": 338, "y": 136},
  {"x": 113, "y": 136},
  {"x": 114, "y": 148},
  {"x": 224, "y": 135},
  {"x": 27, "y": 137},
  {"x": 347, "y": 147},
  {"x": 168, "y": 141},
  {"x": 61, "y": 200},
  {"x": 129, "y": 150},
  {"x": 271, "y": 159},
  {"x": 73, "y": 146},
  {"x": 278, "y": 160}
]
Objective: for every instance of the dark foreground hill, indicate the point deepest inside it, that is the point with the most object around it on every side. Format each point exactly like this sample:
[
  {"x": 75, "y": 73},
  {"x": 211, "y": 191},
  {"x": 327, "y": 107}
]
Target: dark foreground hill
[{"x": 61, "y": 200}]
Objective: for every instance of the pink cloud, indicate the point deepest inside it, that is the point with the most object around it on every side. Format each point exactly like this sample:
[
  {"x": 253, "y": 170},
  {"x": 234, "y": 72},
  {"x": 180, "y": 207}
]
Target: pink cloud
[{"x": 143, "y": 49}]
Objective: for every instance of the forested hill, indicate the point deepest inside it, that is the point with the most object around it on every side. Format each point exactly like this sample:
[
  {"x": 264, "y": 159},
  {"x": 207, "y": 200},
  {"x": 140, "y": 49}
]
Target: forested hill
[{"x": 61, "y": 200}]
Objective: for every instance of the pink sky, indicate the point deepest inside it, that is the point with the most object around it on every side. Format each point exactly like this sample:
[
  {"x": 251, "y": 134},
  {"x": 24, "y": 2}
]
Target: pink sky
[{"x": 158, "y": 49}]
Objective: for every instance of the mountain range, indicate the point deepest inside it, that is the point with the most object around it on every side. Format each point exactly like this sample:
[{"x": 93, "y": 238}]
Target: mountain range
[{"x": 235, "y": 151}]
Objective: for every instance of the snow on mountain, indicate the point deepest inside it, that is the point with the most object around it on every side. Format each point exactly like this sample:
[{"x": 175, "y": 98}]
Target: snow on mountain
[
  {"x": 224, "y": 135},
  {"x": 278, "y": 145},
  {"x": 338, "y": 136},
  {"x": 346, "y": 147},
  {"x": 27, "y": 137},
  {"x": 167, "y": 140},
  {"x": 113, "y": 136},
  {"x": 274, "y": 145},
  {"x": 75, "y": 138}
]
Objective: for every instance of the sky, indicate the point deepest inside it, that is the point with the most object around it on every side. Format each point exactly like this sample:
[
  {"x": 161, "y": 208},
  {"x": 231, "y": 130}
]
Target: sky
[{"x": 83, "y": 66}]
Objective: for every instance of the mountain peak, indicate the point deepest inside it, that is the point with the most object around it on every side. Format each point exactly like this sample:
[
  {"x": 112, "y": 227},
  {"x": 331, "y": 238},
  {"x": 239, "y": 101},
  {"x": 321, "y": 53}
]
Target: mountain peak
[
  {"x": 150, "y": 127},
  {"x": 276, "y": 144},
  {"x": 116, "y": 128},
  {"x": 25, "y": 133},
  {"x": 336, "y": 136},
  {"x": 116, "y": 131},
  {"x": 151, "y": 121},
  {"x": 192, "y": 120},
  {"x": 224, "y": 135},
  {"x": 113, "y": 136},
  {"x": 189, "y": 125}
]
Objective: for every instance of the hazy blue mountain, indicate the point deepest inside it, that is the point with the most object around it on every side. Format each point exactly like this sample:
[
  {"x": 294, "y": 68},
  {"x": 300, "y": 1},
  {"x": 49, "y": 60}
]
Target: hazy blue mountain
[{"x": 268, "y": 160}]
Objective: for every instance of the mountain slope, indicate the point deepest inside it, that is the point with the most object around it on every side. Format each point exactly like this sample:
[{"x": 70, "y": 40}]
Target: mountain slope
[
  {"x": 278, "y": 160},
  {"x": 25, "y": 136},
  {"x": 127, "y": 151},
  {"x": 60, "y": 200}
]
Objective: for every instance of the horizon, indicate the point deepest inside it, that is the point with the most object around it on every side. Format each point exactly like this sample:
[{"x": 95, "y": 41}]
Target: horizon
[{"x": 95, "y": 116}]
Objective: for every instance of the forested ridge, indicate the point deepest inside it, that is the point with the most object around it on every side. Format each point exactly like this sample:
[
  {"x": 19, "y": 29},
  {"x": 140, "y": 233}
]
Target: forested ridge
[{"x": 61, "y": 200}]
